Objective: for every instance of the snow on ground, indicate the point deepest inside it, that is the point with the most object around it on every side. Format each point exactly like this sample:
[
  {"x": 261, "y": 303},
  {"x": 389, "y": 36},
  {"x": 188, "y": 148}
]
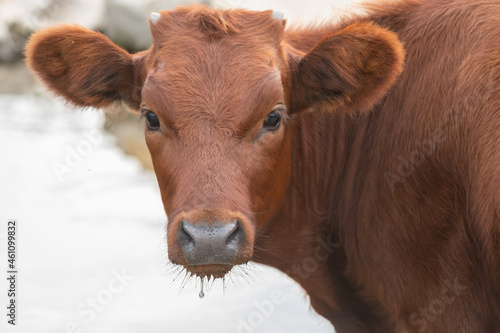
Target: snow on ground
[{"x": 91, "y": 249}]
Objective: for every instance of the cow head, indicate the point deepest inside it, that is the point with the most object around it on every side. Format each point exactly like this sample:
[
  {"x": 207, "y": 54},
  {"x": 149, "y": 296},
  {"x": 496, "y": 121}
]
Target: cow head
[{"x": 219, "y": 91}]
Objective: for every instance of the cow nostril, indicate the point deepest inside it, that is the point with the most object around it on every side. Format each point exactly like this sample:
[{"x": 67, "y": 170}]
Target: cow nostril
[
  {"x": 237, "y": 235},
  {"x": 185, "y": 238}
]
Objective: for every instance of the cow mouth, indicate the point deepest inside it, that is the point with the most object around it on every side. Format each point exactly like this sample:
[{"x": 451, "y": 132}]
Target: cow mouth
[{"x": 215, "y": 271}]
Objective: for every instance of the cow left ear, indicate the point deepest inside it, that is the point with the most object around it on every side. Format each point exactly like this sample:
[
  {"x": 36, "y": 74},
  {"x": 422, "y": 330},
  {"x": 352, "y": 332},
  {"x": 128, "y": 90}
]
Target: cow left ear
[
  {"x": 352, "y": 69},
  {"x": 85, "y": 67}
]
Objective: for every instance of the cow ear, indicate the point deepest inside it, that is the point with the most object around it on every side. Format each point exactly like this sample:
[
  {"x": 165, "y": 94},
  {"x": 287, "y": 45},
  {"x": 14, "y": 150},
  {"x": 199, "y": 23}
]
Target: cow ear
[
  {"x": 350, "y": 69},
  {"x": 85, "y": 67}
]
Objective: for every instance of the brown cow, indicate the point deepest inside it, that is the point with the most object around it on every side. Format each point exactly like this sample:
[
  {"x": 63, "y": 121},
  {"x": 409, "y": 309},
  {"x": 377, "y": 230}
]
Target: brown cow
[{"x": 306, "y": 150}]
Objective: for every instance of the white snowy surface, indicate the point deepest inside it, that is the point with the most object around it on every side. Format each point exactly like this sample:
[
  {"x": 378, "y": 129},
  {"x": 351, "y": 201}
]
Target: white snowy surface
[{"x": 103, "y": 218}]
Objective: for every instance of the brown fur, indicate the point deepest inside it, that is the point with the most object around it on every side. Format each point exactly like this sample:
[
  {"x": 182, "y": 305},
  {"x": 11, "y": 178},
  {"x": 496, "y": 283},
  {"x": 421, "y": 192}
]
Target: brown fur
[{"x": 403, "y": 179}]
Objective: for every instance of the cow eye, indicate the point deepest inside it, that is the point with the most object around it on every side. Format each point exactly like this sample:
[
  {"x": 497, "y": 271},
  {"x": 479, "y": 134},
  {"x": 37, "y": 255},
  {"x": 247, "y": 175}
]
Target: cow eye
[
  {"x": 152, "y": 120},
  {"x": 272, "y": 121}
]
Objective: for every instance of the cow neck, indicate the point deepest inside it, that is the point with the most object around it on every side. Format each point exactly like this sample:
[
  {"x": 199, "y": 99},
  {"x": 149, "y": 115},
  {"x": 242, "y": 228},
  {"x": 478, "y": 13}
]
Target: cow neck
[{"x": 299, "y": 240}]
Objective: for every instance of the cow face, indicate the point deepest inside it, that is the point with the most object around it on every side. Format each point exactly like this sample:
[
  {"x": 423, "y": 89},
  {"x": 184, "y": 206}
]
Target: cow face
[{"x": 219, "y": 91}]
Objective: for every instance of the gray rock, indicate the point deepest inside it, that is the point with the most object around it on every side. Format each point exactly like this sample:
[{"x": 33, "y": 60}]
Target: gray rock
[{"x": 13, "y": 37}]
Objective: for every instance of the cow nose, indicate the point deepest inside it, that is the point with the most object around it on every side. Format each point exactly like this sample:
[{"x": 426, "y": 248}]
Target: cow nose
[{"x": 214, "y": 243}]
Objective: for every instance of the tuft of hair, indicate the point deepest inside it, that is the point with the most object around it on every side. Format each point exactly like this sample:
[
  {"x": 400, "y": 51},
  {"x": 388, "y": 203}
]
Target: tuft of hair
[{"x": 215, "y": 24}]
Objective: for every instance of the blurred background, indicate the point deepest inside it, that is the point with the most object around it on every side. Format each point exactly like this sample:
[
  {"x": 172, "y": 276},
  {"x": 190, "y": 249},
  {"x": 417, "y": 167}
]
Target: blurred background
[{"x": 91, "y": 226}]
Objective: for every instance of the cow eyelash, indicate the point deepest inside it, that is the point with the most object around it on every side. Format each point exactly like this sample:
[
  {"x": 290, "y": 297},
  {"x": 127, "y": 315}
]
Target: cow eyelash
[
  {"x": 152, "y": 121},
  {"x": 275, "y": 118}
]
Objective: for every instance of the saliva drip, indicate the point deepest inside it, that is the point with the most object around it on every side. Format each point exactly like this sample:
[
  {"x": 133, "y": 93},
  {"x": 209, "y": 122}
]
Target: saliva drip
[{"x": 201, "y": 294}]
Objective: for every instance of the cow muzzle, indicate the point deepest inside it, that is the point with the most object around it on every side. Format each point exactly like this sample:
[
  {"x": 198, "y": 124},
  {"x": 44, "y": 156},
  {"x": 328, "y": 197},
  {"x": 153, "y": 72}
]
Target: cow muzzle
[{"x": 210, "y": 243}]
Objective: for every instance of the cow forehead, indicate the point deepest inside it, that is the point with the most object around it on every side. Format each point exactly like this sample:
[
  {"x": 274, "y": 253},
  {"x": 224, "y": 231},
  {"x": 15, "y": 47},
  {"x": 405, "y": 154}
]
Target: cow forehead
[
  {"x": 220, "y": 82},
  {"x": 213, "y": 67}
]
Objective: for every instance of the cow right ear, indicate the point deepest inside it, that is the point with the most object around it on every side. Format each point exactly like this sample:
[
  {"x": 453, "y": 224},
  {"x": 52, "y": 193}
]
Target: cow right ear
[
  {"x": 351, "y": 69},
  {"x": 85, "y": 67}
]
